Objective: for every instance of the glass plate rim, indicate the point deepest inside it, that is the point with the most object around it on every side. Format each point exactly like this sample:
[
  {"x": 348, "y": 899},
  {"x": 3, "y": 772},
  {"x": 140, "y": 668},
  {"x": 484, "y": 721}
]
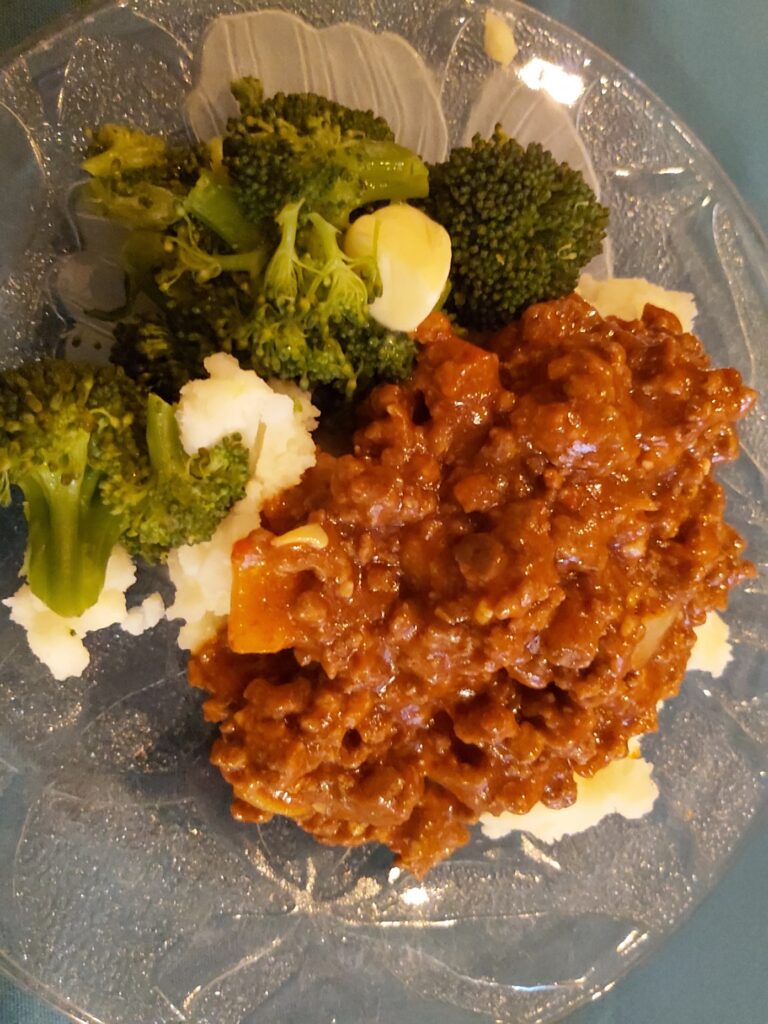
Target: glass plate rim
[{"x": 55, "y": 31}]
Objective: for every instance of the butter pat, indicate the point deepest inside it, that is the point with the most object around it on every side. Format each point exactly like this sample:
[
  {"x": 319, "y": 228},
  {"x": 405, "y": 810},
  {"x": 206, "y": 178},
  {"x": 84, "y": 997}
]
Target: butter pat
[
  {"x": 413, "y": 255},
  {"x": 498, "y": 39}
]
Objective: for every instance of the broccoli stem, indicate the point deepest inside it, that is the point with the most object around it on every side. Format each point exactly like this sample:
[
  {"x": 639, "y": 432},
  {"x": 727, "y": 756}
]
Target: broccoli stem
[
  {"x": 217, "y": 207},
  {"x": 346, "y": 291},
  {"x": 385, "y": 170},
  {"x": 166, "y": 452},
  {"x": 71, "y": 534},
  {"x": 281, "y": 283}
]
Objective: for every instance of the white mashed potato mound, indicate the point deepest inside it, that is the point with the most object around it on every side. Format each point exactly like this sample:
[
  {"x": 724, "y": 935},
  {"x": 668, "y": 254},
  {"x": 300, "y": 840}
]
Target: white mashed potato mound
[
  {"x": 144, "y": 616},
  {"x": 57, "y": 641},
  {"x": 625, "y": 297},
  {"x": 712, "y": 651},
  {"x": 276, "y": 423}
]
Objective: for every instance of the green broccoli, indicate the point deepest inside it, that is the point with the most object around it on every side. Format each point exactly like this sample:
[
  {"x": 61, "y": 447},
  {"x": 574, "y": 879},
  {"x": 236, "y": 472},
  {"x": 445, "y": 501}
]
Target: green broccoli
[
  {"x": 216, "y": 205},
  {"x": 183, "y": 498},
  {"x": 189, "y": 254},
  {"x": 159, "y": 359},
  {"x": 235, "y": 244},
  {"x": 96, "y": 466},
  {"x": 140, "y": 180},
  {"x": 64, "y": 429},
  {"x": 305, "y": 318},
  {"x": 347, "y": 286},
  {"x": 285, "y": 270},
  {"x": 312, "y": 322},
  {"x": 522, "y": 227},
  {"x": 303, "y": 147}
]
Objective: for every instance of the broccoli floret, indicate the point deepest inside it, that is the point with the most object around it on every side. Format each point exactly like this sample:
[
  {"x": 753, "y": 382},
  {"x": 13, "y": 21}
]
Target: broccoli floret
[
  {"x": 522, "y": 227},
  {"x": 64, "y": 429},
  {"x": 346, "y": 285},
  {"x": 98, "y": 465},
  {"x": 165, "y": 348},
  {"x": 305, "y": 318},
  {"x": 143, "y": 182},
  {"x": 304, "y": 109},
  {"x": 118, "y": 149},
  {"x": 379, "y": 354},
  {"x": 185, "y": 252},
  {"x": 285, "y": 270},
  {"x": 236, "y": 244},
  {"x": 140, "y": 180},
  {"x": 312, "y": 324},
  {"x": 301, "y": 146},
  {"x": 183, "y": 498},
  {"x": 142, "y": 205},
  {"x": 159, "y": 359}
]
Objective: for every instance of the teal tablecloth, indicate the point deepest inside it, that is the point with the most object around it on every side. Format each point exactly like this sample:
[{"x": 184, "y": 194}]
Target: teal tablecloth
[{"x": 707, "y": 60}]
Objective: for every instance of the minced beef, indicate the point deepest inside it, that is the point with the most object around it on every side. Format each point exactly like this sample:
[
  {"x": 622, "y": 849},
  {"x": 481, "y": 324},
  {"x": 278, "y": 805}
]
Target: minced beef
[{"x": 498, "y": 585}]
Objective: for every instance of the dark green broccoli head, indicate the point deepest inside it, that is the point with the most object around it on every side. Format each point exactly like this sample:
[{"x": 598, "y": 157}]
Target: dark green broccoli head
[
  {"x": 303, "y": 147},
  {"x": 158, "y": 359},
  {"x": 65, "y": 428},
  {"x": 378, "y": 354},
  {"x": 522, "y": 227},
  {"x": 306, "y": 110}
]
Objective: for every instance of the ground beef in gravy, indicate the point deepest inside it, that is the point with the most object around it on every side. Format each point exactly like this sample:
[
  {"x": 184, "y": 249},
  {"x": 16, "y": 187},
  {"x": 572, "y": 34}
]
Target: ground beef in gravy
[{"x": 499, "y": 585}]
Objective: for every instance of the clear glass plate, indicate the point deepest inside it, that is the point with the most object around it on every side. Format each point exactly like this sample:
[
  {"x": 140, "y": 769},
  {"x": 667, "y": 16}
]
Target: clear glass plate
[{"x": 128, "y": 893}]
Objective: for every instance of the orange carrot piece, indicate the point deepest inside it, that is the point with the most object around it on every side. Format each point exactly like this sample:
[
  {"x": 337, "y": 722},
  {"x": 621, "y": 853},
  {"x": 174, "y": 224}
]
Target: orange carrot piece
[{"x": 260, "y": 620}]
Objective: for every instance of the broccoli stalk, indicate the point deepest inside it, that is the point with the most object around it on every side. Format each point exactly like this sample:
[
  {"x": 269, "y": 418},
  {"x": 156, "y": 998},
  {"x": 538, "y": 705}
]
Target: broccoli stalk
[
  {"x": 166, "y": 452},
  {"x": 217, "y": 206},
  {"x": 284, "y": 271},
  {"x": 187, "y": 256},
  {"x": 71, "y": 533},
  {"x": 64, "y": 428}
]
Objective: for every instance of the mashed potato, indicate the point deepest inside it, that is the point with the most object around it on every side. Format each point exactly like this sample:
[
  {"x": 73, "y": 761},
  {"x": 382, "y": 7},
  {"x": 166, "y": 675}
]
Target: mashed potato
[
  {"x": 626, "y": 297},
  {"x": 58, "y": 641},
  {"x": 276, "y": 423}
]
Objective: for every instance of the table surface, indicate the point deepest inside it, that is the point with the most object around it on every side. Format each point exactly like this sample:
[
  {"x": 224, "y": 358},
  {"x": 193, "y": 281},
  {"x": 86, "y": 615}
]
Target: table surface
[{"x": 706, "y": 59}]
